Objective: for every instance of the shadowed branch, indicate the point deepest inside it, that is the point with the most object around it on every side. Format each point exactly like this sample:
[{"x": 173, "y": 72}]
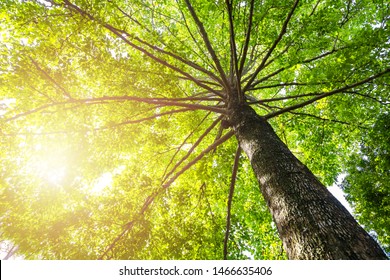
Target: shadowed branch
[{"x": 230, "y": 200}]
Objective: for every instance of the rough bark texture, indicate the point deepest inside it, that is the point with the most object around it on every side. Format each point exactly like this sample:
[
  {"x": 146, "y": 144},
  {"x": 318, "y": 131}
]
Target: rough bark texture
[{"x": 311, "y": 222}]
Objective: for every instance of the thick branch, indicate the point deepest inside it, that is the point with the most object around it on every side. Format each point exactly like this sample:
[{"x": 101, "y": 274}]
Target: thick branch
[
  {"x": 233, "y": 48},
  {"x": 235, "y": 75}
]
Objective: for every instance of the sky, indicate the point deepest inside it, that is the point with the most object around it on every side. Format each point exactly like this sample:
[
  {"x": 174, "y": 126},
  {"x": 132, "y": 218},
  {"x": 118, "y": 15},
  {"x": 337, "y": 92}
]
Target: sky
[{"x": 339, "y": 194}]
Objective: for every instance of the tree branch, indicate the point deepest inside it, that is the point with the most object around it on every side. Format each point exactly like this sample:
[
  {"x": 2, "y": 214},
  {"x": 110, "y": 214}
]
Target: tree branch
[
  {"x": 322, "y": 55},
  {"x": 276, "y": 42},
  {"x": 159, "y": 60},
  {"x": 121, "y": 34},
  {"x": 194, "y": 40},
  {"x": 103, "y": 127},
  {"x": 284, "y": 68},
  {"x": 326, "y": 119},
  {"x": 315, "y": 7},
  {"x": 247, "y": 38},
  {"x": 326, "y": 94},
  {"x": 128, "y": 226},
  {"x": 100, "y": 100},
  {"x": 267, "y": 77},
  {"x": 254, "y": 101},
  {"x": 132, "y": 18},
  {"x": 233, "y": 54},
  {"x": 288, "y": 84},
  {"x": 233, "y": 48},
  {"x": 151, "y": 198},
  {"x": 179, "y": 58},
  {"x": 230, "y": 200},
  {"x": 207, "y": 42},
  {"x": 182, "y": 144},
  {"x": 217, "y": 143},
  {"x": 66, "y": 93},
  {"x": 370, "y": 97},
  {"x": 144, "y": 119},
  {"x": 11, "y": 252},
  {"x": 198, "y": 141}
]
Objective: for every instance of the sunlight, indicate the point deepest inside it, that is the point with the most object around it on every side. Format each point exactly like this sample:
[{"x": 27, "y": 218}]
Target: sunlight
[
  {"x": 5, "y": 105},
  {"x": 52, "y": 168},
  {"x": 106, "y": 179},
  {"x": 102, "y": 182},
  {"x": 49, "y": 161},
  {"x": 54, "y": 175}
]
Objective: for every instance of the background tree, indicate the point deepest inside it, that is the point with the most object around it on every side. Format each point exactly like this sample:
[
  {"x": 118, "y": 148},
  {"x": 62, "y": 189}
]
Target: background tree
[
  {"x": 366, "y": 183},
  {"x": 114, "y": 115}
]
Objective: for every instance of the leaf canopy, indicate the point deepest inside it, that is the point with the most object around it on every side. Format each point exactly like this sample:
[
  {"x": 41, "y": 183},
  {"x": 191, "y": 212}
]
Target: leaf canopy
[{"x": 110, "y": 120}]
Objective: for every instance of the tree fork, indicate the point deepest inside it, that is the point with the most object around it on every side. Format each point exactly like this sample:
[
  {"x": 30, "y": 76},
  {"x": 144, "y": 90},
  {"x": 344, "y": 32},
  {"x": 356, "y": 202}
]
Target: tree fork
[{"x": 311, "y": 222}]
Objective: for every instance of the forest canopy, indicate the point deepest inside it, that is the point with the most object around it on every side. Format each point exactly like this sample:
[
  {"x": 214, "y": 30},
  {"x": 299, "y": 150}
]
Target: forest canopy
[{"x": 113, "y": 131}]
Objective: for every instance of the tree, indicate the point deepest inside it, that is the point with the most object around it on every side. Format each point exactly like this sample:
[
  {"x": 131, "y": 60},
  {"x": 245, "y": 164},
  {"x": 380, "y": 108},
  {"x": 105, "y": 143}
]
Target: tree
[
  {"x": 367, "y": 177},
  {"x": 118, "y": 121}
]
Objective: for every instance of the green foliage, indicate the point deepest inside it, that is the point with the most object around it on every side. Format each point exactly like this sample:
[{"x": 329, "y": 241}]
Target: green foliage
[
  {"x": 367, "y": 180},
  {"x": 89, "y": 133}
]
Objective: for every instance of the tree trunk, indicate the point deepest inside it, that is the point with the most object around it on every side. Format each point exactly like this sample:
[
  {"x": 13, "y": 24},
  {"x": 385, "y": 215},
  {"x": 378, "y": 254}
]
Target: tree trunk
[{"x": 311, "y": 222}]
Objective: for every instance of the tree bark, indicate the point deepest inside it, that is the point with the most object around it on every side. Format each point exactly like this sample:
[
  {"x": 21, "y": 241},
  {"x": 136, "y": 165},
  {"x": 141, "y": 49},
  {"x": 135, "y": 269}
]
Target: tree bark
[{"x": 311, "y": 222}]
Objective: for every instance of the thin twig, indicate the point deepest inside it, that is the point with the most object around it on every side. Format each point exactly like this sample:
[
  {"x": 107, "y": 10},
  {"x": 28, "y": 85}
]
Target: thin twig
[
  {"x": 218, "y": 142},
  {"x": 207, "y": 42},
  {"x": 326, "y": 94},
  {"x": 271, "y": 49},
  {"x": 183, "y": 143},
  {"x": 326, "y": 119},
  {"x": 247, "y": 38},
  {"x": 40, "y": 69},
  {"x": 128, "y": 226},
  {"x": 126, "y": 38},
  {"x": 198, "y": 141},
  {"x": 105, "y": 99},
  {"x": 230, "y": 200}
]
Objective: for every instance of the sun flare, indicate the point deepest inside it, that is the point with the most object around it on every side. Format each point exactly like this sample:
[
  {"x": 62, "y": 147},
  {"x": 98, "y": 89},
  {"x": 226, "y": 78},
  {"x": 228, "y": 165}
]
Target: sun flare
[{"x": 50, "y": 163}]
